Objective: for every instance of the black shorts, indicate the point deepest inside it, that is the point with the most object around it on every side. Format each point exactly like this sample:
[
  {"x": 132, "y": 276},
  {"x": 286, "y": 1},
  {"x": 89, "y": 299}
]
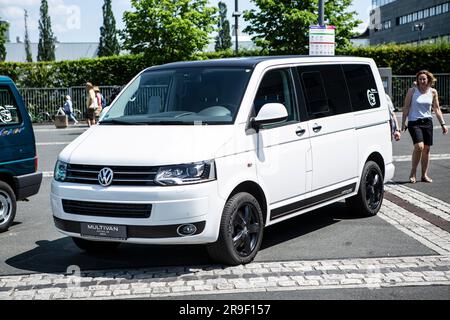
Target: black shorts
[{"x": 421, "y": 130}]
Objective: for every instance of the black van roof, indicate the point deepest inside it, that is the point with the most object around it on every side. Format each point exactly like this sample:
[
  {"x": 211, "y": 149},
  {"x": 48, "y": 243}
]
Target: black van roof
[{"x": 244, "y": 62}]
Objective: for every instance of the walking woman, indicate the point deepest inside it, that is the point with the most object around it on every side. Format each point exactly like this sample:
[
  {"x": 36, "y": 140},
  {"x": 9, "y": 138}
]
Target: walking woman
[{"x": 417, "y": 109}]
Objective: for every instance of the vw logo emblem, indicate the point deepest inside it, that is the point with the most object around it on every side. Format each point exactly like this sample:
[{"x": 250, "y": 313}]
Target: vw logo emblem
[{"x": 105, "y": 177}]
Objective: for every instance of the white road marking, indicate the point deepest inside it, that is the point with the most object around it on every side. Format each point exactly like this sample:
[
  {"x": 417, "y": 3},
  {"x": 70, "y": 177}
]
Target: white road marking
[
  {"x": 47, "y": 174},
  {"x": 444, "y": 156}
]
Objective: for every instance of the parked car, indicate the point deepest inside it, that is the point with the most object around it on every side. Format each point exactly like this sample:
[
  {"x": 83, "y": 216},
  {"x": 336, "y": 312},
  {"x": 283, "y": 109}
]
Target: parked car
[
  {"x": 211, "y": 152},
  {"x": 19, "y": 178}
]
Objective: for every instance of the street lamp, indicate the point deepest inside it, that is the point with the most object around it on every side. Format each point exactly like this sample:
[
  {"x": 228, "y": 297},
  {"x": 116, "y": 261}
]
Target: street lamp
[
  {"x": 321, "y": 13},
  {"x": 236, "y": 14},
  {"x": 419, "y": 27}
]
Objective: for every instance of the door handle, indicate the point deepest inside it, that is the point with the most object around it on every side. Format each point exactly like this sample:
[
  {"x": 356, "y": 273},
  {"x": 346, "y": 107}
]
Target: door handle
[
  {"x": 317, "y": 128},
  {"x": 300, "y": 132}
]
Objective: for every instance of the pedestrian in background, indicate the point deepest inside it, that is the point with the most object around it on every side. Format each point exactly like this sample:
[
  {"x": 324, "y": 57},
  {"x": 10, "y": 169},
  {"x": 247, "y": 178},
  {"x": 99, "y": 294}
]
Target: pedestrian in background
[
  {"x": 68, "y": 109},
  {"x": 419, "y": 101},
  {"x": 99, "y": 98},
  {"x": 395, "y": 128},
  {"x": 91, "y": 103}
]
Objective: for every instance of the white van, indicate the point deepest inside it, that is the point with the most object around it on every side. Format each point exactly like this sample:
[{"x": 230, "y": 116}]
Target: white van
[{"x": 211, "y": 152}]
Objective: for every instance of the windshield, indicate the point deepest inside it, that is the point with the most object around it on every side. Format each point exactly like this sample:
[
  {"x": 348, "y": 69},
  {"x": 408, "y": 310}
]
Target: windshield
[{"x": 181, "y": 97}]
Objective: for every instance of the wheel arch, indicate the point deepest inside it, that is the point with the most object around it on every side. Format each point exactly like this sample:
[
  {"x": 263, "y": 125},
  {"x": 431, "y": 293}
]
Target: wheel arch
[
  {"x": 378, "y": 159},
  {"x": 8, "y": 178},
  {"x": 255, "y": 190}
]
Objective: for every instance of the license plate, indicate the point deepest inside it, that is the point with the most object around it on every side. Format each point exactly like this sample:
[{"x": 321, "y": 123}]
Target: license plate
[{"x": 103, "y": 230}]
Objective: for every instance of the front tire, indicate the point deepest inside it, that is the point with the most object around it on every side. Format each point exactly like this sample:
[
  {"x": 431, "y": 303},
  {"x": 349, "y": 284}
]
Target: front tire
[
  {"x": 369, "y": 199},
  {"x": 95, "y": 246},
  {"x": 8, "y": 206},
  {"x": 241, "y": 231}
]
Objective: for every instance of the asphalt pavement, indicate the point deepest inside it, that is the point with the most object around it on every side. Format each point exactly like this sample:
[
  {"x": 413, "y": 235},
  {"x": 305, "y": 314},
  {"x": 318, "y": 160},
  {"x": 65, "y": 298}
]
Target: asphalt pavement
[{"x": 32, "y": 246}]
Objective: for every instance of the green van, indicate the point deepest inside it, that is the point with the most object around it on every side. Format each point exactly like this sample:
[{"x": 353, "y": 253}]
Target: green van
[{"x": 19, "y": 178}]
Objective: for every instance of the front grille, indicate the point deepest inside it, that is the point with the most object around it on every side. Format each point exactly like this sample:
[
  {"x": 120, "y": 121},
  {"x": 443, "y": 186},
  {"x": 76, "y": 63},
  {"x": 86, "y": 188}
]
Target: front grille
[
  {"x": 123, "y": 175},
  {"x": 106, "y": 209}
]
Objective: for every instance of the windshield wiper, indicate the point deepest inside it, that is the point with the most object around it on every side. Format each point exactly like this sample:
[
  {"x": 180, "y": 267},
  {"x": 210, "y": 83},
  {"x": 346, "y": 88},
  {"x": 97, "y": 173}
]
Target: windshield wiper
[
  {"x": 169, "y": 122},
  {"x": 123, "y": 122}
]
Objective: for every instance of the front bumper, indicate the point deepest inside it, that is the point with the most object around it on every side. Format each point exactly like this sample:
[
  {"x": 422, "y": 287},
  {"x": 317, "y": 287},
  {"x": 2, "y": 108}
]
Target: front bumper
[{"x": 171, "y": 207}]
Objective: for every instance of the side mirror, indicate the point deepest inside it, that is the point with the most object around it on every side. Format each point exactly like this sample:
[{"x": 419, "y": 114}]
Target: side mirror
[{"x": 270, "y": 113}]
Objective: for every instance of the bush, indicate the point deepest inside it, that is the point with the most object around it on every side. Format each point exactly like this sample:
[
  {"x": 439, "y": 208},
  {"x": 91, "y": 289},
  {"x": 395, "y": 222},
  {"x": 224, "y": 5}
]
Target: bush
[{"x": 119, "y": 70}]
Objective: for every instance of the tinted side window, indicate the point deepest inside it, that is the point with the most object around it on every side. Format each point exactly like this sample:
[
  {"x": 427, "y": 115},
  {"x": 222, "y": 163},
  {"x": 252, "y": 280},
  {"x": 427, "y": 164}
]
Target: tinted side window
[
  {"x": 361, "y": 87},
  {"x": 325, "y": 90},
  {"x": 276, "y": 87},
  {"x": 9, "y": 111}
]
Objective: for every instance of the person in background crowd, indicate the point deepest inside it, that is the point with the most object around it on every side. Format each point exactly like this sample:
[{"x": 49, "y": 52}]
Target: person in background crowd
[
  {"x": 419, "y": 101},
  {"x": 68, "y": 109},
  {"x": 100, "y": 99},
  {"x": 91, "y": 103}
]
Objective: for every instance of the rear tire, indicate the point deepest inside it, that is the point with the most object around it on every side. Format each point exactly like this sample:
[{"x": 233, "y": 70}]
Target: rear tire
[
  {"x": 95, "y": 246},
  {"x": 8, "y": 206},
  {"x": 241, "y": 231},
  {"x": 369, "y": 199}
]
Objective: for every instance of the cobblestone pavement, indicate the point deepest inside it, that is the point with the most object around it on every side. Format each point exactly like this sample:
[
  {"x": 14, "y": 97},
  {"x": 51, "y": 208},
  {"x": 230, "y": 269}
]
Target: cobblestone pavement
[{"x": 266, "y": 276}]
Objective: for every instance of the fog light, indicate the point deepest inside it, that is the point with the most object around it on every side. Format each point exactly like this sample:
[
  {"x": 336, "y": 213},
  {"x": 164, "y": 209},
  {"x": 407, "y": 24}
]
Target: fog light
[{"x": 186, "y": 230}]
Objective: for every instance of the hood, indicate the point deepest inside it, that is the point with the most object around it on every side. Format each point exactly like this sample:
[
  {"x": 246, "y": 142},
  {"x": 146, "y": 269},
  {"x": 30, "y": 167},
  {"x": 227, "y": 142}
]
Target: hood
[{"x": 146, "y": 145}]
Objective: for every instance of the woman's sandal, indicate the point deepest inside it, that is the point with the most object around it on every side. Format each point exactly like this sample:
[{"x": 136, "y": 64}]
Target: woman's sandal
[
  {"x": 412, "y": 179},
  {"x": 427, "y": 179}
]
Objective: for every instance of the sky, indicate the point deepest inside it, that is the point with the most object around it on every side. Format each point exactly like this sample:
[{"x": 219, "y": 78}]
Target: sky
[{"x": 80, "y": 21}]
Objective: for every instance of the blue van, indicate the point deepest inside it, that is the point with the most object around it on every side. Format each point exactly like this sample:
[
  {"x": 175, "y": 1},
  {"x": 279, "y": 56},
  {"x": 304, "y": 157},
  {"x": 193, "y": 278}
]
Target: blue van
[{"x": 19, "y": 178}]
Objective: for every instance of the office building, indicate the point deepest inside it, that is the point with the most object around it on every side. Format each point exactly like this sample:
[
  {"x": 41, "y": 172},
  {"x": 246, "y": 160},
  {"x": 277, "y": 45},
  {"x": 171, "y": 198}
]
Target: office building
[{"x": 409, "y": 21}]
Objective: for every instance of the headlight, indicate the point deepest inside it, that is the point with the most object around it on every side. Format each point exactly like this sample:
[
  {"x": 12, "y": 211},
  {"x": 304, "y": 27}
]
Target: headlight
[
  {"x": 186, "y": 173},
  {"x": 60, "y": 171}
]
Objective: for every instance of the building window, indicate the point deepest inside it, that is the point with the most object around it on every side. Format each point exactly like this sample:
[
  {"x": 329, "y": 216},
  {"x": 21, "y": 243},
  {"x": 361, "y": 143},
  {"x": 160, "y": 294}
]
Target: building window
[{"x": 422, "y": 14}]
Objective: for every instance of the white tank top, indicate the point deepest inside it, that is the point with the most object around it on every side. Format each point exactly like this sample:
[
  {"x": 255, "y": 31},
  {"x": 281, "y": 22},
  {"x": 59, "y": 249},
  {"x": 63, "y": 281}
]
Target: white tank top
[{"x": 421, "y": 105}]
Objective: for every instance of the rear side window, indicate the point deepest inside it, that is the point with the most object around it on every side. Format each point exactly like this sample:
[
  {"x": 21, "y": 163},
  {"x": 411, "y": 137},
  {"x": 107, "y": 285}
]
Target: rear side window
[
  {"x": 361, "y": 87},
  {"x": 325, "y": 91},
  {"x": 9, "y": 111}
]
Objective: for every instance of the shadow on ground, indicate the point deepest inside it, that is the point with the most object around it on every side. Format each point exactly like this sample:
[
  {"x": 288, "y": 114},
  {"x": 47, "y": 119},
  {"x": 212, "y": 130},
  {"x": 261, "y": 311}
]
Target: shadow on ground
[{"x": 328, "y": 233}]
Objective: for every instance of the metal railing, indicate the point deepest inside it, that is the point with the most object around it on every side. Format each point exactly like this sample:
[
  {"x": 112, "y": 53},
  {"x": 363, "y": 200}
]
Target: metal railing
[
  {"x": 401, "y": 84},
  {"x": 43, "y": 103}
]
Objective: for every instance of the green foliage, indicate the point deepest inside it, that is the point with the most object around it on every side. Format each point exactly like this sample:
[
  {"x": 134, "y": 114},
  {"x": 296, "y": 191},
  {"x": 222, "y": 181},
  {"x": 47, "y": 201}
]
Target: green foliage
[
  {"x": 101, "y": 71},
  {"x": 223, "y": 39},
  {"x": 119, "y": 70},
  {"x": 109, "y": 43},
  {"x": 406, "y": 59},
  {"x": 46, "y": 46},
  {"x": 3, "y": 27},
  {"x": 282, "y": 26},
  {"x": 167, "y": 30}
]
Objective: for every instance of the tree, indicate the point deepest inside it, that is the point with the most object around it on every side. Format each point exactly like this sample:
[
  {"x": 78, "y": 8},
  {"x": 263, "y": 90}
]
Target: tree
[
  {"x": 3, "y": 28},
  {"x": 109, "y": 44},
  {"x": 168, "y": 30},
  {"x": 282, "y": 26},
  {"x": 223, "y": 39},
  {"x": 46, "y": 46},
  {"x": 29, "y": 56}
]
